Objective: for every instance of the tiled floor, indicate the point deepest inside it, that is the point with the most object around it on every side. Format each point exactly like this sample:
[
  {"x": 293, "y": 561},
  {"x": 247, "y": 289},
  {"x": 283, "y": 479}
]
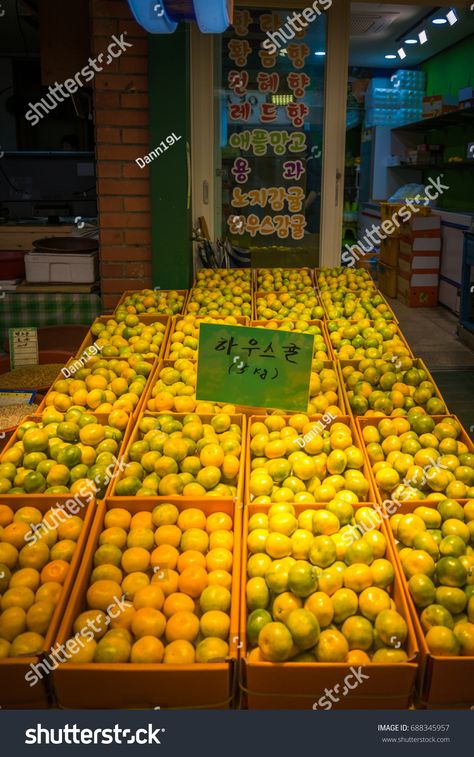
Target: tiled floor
[
  {"x": 457, "y": 388},
  {"x": 431, "y": 334}
]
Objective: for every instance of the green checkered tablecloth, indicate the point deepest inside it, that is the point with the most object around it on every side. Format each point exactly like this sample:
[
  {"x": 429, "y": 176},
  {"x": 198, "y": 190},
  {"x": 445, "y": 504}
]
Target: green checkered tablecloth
[{"x": 51, "y": 309}]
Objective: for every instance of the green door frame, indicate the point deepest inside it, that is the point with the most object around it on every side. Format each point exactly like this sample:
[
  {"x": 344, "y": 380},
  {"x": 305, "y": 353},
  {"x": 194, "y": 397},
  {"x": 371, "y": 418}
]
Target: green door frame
[{"x": 171, "y": 226}]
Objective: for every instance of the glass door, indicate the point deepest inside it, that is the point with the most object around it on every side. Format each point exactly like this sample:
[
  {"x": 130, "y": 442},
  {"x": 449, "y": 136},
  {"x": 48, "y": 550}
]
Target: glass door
[
  {"x": 269, "y": 91},
  {"x": 263, "y": 97}
]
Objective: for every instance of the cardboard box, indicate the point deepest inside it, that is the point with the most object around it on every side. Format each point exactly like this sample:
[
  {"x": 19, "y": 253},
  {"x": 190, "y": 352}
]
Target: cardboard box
[
  {"x": 389, "y": 249},
  {"x": 421, "y": 226},
  {"x": 436, "y": 105},
  {"x": 432, "y": 105},
  {"x": 415, "y": 279},
  {"x": 414, "y": 264},
  {"x": 416, "y": 295},
  {"x": 387, "y": 276},
  {"x": 390, "y": 209},
  {"x": 370, "y": 264},
  {"x": 410, "y": 247}
]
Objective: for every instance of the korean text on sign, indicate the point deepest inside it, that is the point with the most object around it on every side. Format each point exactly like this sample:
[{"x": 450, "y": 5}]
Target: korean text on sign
[{"x": 255, "y": 367}]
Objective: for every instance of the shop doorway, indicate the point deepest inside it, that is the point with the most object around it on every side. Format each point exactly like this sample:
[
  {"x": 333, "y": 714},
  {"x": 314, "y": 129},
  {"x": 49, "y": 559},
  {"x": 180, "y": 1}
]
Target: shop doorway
[
  {"x": 261, "y": 184},
  {"x": 338, "y": 118}
]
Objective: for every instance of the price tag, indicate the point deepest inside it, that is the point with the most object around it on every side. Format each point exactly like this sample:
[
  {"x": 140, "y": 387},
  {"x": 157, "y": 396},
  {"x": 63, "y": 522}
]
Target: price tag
[
  {"x": 23, "y": 346},
  {"x": 254, "y": 367}
]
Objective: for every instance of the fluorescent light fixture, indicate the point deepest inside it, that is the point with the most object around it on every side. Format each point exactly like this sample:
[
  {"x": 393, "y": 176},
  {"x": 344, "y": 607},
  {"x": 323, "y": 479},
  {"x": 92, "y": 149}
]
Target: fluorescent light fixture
[
  {"x": 411, "y": 42},
  {"x": 439, "y": 21},
  {"x": 320, "y": 52},
  {"x": 282, "y": 99},
  {"x": 423, "y": 37},
  {"x": 390, "y": 56},
  {"x": 451, "y": 16},
  {"x": 402, "y": 53}
]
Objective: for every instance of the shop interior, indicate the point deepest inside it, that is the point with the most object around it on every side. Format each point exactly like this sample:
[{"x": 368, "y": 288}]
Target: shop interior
[{"x": 237, "y": 335}]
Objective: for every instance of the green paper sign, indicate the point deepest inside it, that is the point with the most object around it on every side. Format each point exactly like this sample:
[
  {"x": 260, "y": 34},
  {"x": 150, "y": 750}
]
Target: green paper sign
[{"x": 254, "y": 367}]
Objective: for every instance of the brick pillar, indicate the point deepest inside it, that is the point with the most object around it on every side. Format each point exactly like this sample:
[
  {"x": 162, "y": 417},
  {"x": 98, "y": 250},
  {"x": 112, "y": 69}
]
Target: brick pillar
[{"x": 122, "y": 134}]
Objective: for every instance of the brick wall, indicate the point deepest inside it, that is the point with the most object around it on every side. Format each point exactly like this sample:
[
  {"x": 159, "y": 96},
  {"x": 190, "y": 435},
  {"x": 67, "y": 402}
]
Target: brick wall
[{"x": 122, "y": 134}]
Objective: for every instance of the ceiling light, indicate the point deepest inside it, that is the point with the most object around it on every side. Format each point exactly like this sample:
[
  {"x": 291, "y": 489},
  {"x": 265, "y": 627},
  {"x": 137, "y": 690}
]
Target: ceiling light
[
  {"x": 390, "y": 57},
  {"x": 411, "y": 42},
  {"x": 402, "y": 53},
  {"x": 451, "y": 16},
  {"x": 439, "y": 21},
  {"x": 320, "y": 52},
  {"x": 423, "y": 37}
]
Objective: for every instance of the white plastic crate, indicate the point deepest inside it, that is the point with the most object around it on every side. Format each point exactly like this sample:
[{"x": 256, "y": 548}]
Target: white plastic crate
[{"x": 69, "y": 268}]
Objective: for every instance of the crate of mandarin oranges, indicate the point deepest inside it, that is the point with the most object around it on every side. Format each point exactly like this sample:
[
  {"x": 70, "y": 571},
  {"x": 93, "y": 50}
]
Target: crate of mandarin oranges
[
  {"x": 305, "y": 459},
  {"x": 324, "y": 621},
  {"x": 40, "y": 551},
  {"x": 69, "y": 455},
  {"x": 153, "y": 617},
  {"x": 436, "y": 562},
  {"x": 219, "y": 292},
  {"x": 173, "y": 389},
  {"x": 142, "y": 335},
  {"x": 189, "y": 455},
  {"x": 419, "y": 458},
  {"x": 391, "y": 385},
  {"x": 149, "y": 301},
  {"x": 184, "y": 334},
  {"x": 102, "y": 385}
]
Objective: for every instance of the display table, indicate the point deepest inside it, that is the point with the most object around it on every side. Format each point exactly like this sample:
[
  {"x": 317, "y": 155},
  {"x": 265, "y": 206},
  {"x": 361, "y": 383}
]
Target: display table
[{"x": 51, "y": 309}]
